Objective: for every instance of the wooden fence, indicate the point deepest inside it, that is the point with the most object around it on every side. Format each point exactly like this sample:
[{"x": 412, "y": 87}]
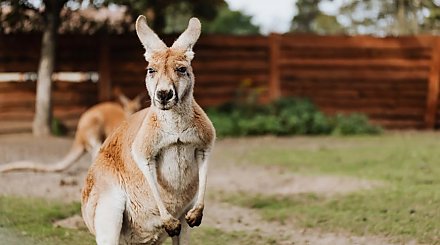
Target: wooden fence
[{"x": 395, "y": 81}]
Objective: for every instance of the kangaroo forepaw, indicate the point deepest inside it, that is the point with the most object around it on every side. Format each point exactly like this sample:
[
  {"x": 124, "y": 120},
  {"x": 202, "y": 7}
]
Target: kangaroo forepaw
[
  {"x": 194, "y": 216},
  {"x": 172, "y": 226}
]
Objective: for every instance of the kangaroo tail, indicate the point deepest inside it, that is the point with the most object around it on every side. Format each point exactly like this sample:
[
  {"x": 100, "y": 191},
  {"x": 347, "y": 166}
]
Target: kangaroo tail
[{"x": 75, "y": 152}]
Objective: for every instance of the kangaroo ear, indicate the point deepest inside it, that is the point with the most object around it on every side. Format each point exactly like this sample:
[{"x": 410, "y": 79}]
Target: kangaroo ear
[
  {"x": 148, "y": 38},
  {"x": 189, "y": 37},
  {"x": 139, "y": 97},
  {"x": 123, "y": 99}
]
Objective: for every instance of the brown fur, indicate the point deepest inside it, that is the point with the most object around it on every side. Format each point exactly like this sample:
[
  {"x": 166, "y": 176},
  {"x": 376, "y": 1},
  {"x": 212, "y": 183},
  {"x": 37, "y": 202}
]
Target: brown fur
[
  {"x": 94, "y": 125},
  {"x": 151, "y": 172}
]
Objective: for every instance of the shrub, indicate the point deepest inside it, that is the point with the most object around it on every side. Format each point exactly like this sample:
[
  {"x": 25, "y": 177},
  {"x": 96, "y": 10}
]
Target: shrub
[
  {"x": 353, "y": 124},
  {"x": 58, "y": 128},
  {"x": 286, "y": 116}
]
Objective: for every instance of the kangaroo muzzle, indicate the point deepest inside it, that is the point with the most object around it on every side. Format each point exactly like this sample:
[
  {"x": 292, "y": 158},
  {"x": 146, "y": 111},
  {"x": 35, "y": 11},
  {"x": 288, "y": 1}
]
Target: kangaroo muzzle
[{"x": 165, "y": 98}]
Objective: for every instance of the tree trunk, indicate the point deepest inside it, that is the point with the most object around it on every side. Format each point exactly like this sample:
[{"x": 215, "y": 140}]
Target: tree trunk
[
  {"x": 159, "y": 18},
  {"x": 43, "y": 104}
]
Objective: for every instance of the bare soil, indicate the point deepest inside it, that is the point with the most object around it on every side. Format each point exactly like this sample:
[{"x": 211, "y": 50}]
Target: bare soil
[{"x": 225, "y": 175}]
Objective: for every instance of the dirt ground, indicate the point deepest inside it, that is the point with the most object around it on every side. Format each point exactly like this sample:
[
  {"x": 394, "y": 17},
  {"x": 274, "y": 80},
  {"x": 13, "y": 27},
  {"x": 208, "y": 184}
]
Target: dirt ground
[{"x": 225, "y": 175}]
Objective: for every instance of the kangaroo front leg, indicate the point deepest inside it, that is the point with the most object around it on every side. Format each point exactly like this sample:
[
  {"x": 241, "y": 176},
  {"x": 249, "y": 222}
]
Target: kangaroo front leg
[
  {"x": 148, "y": 168},
  {"x": 194, "y": 215}
]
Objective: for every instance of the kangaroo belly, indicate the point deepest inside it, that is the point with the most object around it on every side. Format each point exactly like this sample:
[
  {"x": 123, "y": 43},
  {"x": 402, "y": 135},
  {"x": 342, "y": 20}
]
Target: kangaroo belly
[{"x": 177, "y": 173}]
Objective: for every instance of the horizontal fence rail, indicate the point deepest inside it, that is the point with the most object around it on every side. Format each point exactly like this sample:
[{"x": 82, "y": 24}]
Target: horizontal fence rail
[{"x": 395, "y": 81}]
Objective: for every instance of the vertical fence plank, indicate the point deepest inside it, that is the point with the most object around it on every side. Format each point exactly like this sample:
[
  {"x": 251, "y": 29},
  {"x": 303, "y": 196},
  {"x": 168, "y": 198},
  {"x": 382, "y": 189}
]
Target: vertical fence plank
[
  {"x": 274, "y": 68},
  {"x": 433, "y": 85},
  {"x": 104, "y": 83}
]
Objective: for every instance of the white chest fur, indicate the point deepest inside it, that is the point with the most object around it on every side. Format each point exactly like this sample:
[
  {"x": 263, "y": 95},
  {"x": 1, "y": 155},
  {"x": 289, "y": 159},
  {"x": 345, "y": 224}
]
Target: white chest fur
[
  {"x": 177, "y": 166},
  {"x": 176, "y": 159}
]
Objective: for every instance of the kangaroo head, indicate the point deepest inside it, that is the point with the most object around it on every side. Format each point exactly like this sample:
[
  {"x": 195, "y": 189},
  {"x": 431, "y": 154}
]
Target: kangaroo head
[
  {"x": 169, "y": 79},
  {"x": 130, "y": 106}
]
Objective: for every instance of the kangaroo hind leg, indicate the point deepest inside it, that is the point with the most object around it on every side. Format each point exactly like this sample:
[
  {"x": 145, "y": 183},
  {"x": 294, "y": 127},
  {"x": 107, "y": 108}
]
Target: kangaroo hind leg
[
  {"x": 108, "y": 216},
  {"x": 183, "y": 237}
]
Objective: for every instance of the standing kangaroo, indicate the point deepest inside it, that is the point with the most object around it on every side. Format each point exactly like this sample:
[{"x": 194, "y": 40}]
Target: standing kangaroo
[
  {"x": 149, "y": 177},
  {"x": 94, "y": 126}
]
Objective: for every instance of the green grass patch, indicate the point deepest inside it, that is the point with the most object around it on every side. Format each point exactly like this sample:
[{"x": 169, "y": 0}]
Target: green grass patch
[
  {"x": 212, "y": 236},
  {"x": 386, "y": 213},
  {"x": 406, "y": 207},
  {"x": 410, "y": 159},
  {"x": 31, "y": 219}
]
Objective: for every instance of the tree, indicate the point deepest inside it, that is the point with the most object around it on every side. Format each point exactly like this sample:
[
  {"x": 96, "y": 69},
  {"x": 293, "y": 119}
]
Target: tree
[
  {"x": 310, "y": 19},
  {"x": 431, "y": 23},
  {"x": 158, "y": 11},
  {"x": 43, "y": 103},
  {"x": 392, "y": 17},
  {"x": 231, "y": 22},
  {"x": 50, "y": 15},
  {"x": 327, "y": 25},
  {"x": 307, "y": 12},
  {"x": 379, "y": 17}
]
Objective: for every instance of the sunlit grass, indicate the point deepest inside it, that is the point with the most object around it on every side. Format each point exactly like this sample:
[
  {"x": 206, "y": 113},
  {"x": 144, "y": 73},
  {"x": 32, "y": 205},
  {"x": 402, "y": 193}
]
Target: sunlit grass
[
  {"x": 405, "y": 207},
  {"x": 31, "y": 220},
  {"x": 409, "y": 158},
  {"x": 212, "y": 236}
]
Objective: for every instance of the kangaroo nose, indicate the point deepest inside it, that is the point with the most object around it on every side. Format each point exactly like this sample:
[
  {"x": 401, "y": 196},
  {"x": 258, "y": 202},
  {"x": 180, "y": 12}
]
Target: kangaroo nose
[{"x": 164, "y": 95}]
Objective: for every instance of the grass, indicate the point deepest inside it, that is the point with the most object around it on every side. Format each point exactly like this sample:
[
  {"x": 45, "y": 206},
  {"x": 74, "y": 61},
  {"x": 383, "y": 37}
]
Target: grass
[
  {"x": 213, "y": 236},
  {"x": 406, "y": 207},
  {"x": 31, "y": 220}
]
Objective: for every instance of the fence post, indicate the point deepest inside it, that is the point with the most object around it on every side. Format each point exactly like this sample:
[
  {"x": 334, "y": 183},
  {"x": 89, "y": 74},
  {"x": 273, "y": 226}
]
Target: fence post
[
  {"x": 274, "y": 68},
  {"x": 433, "y": 85},
  {"x": 104, "y": 83}
]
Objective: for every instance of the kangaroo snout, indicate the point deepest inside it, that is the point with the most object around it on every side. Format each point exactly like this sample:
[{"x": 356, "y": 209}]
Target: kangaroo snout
[{"x": 164, "y": 96}]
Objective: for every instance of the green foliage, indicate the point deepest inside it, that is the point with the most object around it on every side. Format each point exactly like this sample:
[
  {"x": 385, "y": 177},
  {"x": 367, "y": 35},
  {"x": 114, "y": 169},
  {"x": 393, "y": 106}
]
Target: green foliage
[
  {"x": 171, "y": 16},
  {"x": 377, "y": 17},
  {"x": 164, "y": 16},
  {"x": 286, "y": 116},
  {"x": 353, "y": 124},
  {"x": 310, "y": 19},
  {"x": 230, "y": 22},
  {"x": 390, "y": 17},
  {"x": 58, "y": 128}
]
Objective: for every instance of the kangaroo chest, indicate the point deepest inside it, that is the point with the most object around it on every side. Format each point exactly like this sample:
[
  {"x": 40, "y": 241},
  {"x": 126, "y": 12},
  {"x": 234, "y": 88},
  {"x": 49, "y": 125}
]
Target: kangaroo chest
[{"x": 177, "y": 169}]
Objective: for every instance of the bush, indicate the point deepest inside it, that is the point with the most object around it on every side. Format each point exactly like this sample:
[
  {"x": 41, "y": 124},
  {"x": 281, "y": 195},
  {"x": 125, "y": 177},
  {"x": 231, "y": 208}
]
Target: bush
[
  {"x": 286, "y": 116},
  {"x": 353, "y": 124},
  {"x": 58, "y": 128}
]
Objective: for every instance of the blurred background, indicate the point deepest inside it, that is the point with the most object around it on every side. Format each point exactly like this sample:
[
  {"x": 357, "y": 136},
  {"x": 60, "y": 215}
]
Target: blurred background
[
  {"x": 377, "y": 58},
  {"x": 362, "y": 77}
]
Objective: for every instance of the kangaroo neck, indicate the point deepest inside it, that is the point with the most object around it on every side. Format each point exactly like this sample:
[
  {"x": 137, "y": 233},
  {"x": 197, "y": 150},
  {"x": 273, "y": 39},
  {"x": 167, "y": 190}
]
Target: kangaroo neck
[{"x": 179, "y": 113}]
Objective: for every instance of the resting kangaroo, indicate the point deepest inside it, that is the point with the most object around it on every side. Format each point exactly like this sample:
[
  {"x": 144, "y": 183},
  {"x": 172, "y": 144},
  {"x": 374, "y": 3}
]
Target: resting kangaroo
[
  {"x": 94, "y": 126},
  {"x": 149, "y": 177}
]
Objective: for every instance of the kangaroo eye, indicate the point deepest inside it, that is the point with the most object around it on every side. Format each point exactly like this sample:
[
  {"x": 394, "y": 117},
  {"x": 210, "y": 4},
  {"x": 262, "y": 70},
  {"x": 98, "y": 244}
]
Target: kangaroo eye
[
  {"x": 150, "y": 70},
  {"x": 181, "y": 69}
]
